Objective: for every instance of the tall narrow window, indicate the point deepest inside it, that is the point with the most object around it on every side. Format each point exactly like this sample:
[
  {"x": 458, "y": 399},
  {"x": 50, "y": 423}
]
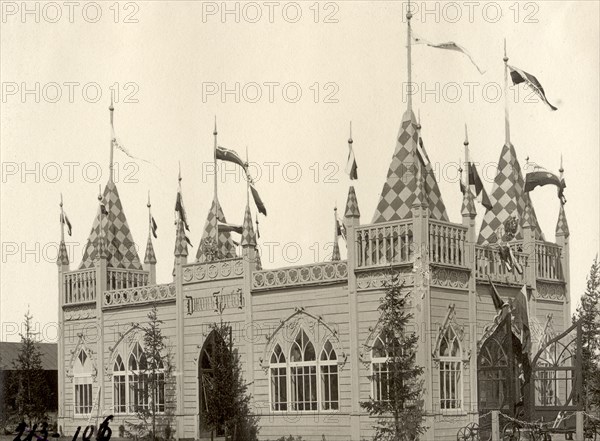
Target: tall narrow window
[
  {"x": 303, "y": 374},
  {"x": 329, "y": 378},
  {"x": 384, "y": 347},
  {"x": 449, "y": 354},
  {"x": 138, "y": 386},
  {"x": 82, "y": 379},
  {"x": 119, "y": 386},
  {"x": 278, "y": 370}
]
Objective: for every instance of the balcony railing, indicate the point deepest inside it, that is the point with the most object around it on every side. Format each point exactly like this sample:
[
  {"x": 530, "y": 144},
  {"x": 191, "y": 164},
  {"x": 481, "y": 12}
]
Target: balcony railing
[
  {"x": 490, "y": 264},
  {"x": 548, "y": 263},
  {"x": 79, "y": 286},
  {"x": 142, "y": 294},
  {"x": 384, "y": 244},
  {"x": 447, "y": 243},
  {"x": 123, "y": 279}
]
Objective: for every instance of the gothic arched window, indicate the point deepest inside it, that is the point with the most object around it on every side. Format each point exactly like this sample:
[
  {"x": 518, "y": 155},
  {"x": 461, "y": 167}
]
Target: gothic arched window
[
  {"x": 329, "y": 378},
  {"x": 278, "y": 372},
  {"x": 450, "y": 358},
  {"x": 141, "y": 384},
  {"x": 384, "y": 347},
  {"x": 303, "y": 373},
  {"x": 82, "y": 379},
  {"x": 119, "y": 386}
]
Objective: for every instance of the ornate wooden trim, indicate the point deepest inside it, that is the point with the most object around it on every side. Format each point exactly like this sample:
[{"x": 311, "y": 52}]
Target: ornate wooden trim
[
  {"x": 449, "y": 277},
  {"x": 138, "y": 295},
  {"x": 550, "y": 291},
  {"x": 306, "y": 275},
  {"x": 370, "y": 280},
  {"x": 215, "y": 270}
]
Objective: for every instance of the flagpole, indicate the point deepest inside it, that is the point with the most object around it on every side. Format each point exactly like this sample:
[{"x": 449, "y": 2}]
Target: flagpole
[
  {"x": 409, "y": 54},
  {"x": 506, "y": 119},
  {"x": 62, "y": 220},
  {"x": 112, "y": 141},
  {"x": 216, "y": 199},
  {"x": 247, "y": 179},
  {"x": 466, "y": 144},
  {"x": 101, "y": 232},
  {"x": 149, "y": 215}
]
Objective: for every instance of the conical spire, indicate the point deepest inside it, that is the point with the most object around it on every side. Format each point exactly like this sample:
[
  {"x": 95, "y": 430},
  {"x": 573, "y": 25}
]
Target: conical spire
[
  {"x": 119, "y": 246},
  {"x": 63, "y": 257},
  {"x": 150, "y": 257},
  {"x": 351, "y": 204},
  {"x": 225, "y": 247},
  {"x": 528, "y": 220},
  {"x": 508, "y": 199},
  {"x": 248, "y": 235},
  {"x": 335, "y": 256},
  {"x": 562, "y": 227},
  {"x": 468, "y": 202},
  {"x": 181, "y": 245}
]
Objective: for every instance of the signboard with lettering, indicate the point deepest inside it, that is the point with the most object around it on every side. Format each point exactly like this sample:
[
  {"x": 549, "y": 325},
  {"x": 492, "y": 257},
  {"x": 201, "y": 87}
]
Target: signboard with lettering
[{"x": 218, "y": 301}]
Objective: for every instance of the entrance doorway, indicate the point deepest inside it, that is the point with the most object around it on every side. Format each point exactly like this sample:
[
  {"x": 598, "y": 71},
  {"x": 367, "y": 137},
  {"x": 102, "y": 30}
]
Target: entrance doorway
[{"x": 206, "y": 371}]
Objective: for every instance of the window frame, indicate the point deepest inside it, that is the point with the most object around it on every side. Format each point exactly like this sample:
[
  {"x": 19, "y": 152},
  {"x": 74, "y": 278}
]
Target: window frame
[
  {"x": 454, "y": 373},
  {"x": 80, "y": 380}
]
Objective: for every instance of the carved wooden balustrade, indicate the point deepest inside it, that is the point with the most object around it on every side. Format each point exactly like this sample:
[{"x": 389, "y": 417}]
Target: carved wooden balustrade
[
  {"x": 384, "y": 244},
  {"x": 79, "y": 286},
  {"x": 315, "y": 274},
  {"x": 447, "y": 243},
  {"x": 548, "y": 263},
  {"x": 489, "y": 263},
  {"x": 122, "y": 278},
  {"x": 140, "y": 294}
]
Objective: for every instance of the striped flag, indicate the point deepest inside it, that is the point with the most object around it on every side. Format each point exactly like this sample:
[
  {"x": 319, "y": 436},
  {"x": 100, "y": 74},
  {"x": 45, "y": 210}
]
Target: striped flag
[
  {"x": 64, "y": 219},
  {"x": 450, "y": 45},
  {"x": 225, "y": 227},
  {"x": 519, "y": 76},
  {"x": 475, "y": 180},
  {"x": 351, "y": 167},
  {"x": 153, "y": 227},
  {"x": 228, "y": 155},
  {"x": 180, "y": 210},
  {"x": 340, "y": 228}
]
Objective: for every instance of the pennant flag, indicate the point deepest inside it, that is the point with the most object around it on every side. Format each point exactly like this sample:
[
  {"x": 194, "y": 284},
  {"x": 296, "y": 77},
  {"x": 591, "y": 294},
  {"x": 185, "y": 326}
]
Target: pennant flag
[
  {"x": 153, "y": 226},
  {"x": 421, "y": 152},
  {"x": 116, "y": 143},
  {"x": 230, "y": 156},
  {"x": 519, "y": 76},
  {"x": 521, "y": 319},
  {"x": 340, "y": 228},
  {"x": 450, "y": 45},
  {"x": 180, "y": 210},
  {"x": 225, "y": 227},
  {"x": 498, "y": 302},
  {"x": 541, "y": 178},
  {"x": 258, "y": 201},
  {"x": 64, "y": 219},
  {"x": 187, "y": 239},
  {"x": 351, "y": 167},
  {"x": 475, "y": 180}
]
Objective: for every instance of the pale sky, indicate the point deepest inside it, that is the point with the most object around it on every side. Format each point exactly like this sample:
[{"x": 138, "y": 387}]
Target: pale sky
[{"x": 169, "y": 56}]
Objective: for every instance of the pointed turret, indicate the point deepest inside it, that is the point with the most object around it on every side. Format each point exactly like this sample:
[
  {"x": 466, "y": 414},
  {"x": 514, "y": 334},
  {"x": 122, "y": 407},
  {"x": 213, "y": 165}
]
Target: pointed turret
[
  {"x": 468, "y": 209},
  {"x": 352, "y": 204},
  {"x": 225, "y": 247},
  {"x": 508, "y": 199},
  {"x": 150, "y": 257},
  {"x": 562, "y": 227},
  {"x": 62, "y": 260},
  {"x": 336, "y": 256},
  {"x": 248, "y": 235},
  {"x": 181, "y": 246}
]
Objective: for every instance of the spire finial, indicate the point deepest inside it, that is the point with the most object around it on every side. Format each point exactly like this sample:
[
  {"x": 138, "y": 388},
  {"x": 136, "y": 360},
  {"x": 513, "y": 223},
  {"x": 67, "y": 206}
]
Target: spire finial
[
  {"x": 99, "y": 192},
  {"x": 409, "y": 52},
  {"x": 215, "y": 131},
  {"x": 460, "y": 169},
  {"x": 179, "y": 176},
  {"x": 505, "y": 56},
  {"x": 506, "y": 119},
  {"x": 350, "y": 138},
  {"x": 561, "y": 169},
  {"x": 112, "y": 139},
  {"x": 466, "y": 143},
  {"x": 419, "y": 119},
  {"x": 148, "y": 204},
  {"x": 61, "y": 201}
]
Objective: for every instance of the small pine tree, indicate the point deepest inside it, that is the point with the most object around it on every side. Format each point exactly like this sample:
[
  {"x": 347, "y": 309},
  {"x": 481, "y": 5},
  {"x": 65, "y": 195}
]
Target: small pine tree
[
  {"x": 29, "y": 379},
  {"x": 157, "y": 379},
  {"x": 228, "y": 403},
  {"x": 399, "y": 412},
  {"x": 589, "y": 312}
]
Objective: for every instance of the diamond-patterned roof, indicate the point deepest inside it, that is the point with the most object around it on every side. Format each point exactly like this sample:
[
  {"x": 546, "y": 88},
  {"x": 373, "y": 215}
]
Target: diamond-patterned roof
[
  {"x": 248, "y": 235},
  {"x": 119, "y": 247},
  {"x": 150, "y": 257},
  {"x": 225, "y": 243},
  {"x": 352, "y": 204},
  {"x": 63, "y": 256},
  {"x": 468, "y": 203},
  {"x": 400, "y": 189},
  {"x": 181, "y": 246},
  {"x": 508, "y": 198},
  {"x": 562, "y": 227}
]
